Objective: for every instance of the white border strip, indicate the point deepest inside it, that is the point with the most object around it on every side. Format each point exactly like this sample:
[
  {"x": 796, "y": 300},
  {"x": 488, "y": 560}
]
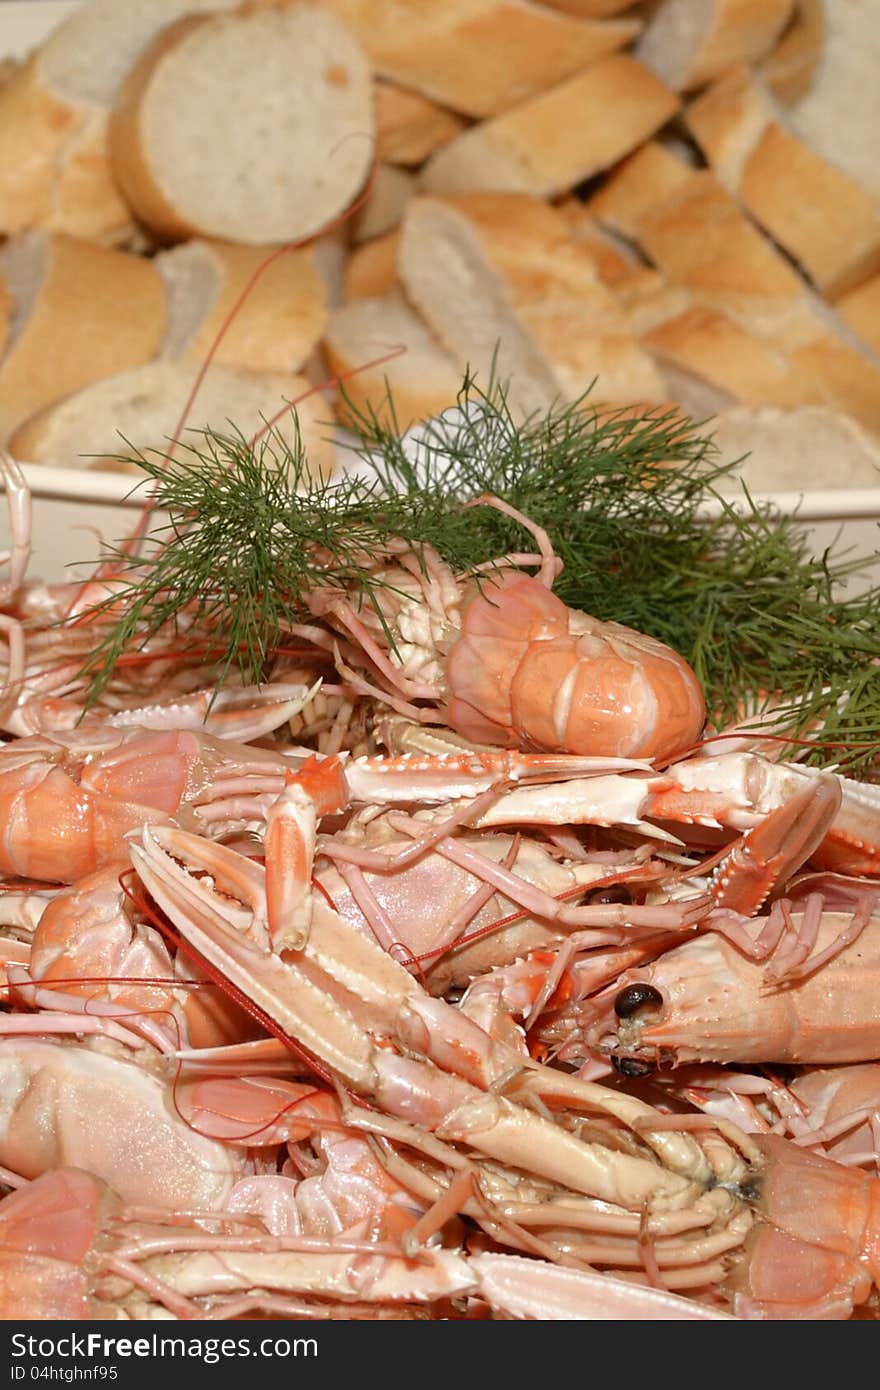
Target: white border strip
[{"x": 120, "y": 489}]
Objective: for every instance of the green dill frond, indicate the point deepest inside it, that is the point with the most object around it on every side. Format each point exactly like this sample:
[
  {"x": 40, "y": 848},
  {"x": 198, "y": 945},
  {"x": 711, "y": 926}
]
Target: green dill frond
[{"x": 629, "y": 503}]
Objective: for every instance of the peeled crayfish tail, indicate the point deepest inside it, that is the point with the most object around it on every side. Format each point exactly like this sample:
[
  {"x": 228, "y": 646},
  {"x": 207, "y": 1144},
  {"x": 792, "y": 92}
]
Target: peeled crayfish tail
[
  {"x": 528, "y": 671},
  {"x": 816, "y": 1253}
]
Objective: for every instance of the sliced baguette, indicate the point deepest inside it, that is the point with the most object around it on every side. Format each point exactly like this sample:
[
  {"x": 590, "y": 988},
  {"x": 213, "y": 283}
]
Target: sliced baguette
[
  {"x": 140, "y": 410},
  {"x": 204, "y": 144},
  {"x": 278, "y": 309},
  {"x": 827, "y": 222},
  {"x": 54, "y": 170},
  {"x": 789, "y": 70},
  {"x": 617, "y": 264},
  {"x": 390, "y": 192},
  {"x": 371, "y": 272},
  {"x": 812, "y": 447},
  {"x": 330, "y": 255},
  {"x": 410, "y": 126},
  {"x": 81, "y": 312},
  {"x": 53, "y": 167},
  {"x": 555, "y": 141},
  {"x": 699, "y": 238},
  {"x": 643, "y": 182},
  {"x": 846, "y": 377},
  {"x": 710, "y": 362},
  {"x": 503, "y": 283},
  {"x": 589, "y": 9},
  {"x": 690, "y": 42},
  {"x": 479, "y": 57},
  {"x": 839, "y": 116},
  {"x": 860, "y": 310},
  {"x": 423, "y": 379}
]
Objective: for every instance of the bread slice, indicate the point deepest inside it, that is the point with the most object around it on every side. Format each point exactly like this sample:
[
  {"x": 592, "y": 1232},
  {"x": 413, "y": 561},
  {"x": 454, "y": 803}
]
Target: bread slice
[
  {"x": 54, "y": 170},
  {"x": 827, "y": 222},
  {"x": 479, "y": 57},
  {"x": 790, "y": 68},
  {"x": 140, "y": 409},
  {"x": 555, "y": 141},
  {"x": 846, "y": 377},
  {"x": 7, "y": 310},
  {"x": 423, "y": 380},
  {"x": 371, "y": 272},
  {"x": 330, "y": 255},
  {"x": 81, "y": 312},
  {"x": 410, "y": 126},
  {"x": 636, "y": 187},
  {"x": 589, "y": 9},
  {"x": 503, "y": 283},
  {"x": 690, "y": 42},
  {"x": 789, "y": 450},
  {"x": 839, "y": 116},
  {"x": 390, "y": 192},
  {"x": 860, "y": 311},
  {"x": 260, "y": 151},
  {"x": 278, "y": 317},
  {"x": 710, "y": 362},
  {"x": 617, "y": 263},
  {"x": 700, "y": 240}
]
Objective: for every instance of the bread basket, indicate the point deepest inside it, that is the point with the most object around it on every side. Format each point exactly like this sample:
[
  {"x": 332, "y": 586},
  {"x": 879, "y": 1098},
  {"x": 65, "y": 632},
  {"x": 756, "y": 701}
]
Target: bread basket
[{"x": 71, "y": 507}]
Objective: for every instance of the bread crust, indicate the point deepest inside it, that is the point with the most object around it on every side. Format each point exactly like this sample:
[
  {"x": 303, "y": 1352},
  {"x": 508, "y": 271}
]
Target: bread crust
[
  {"x": 409, "y": 126},
  {"x": 790, "y": 67},
  {"x": 128, "y": 159},
  {"x": 820, "y": 216},
  {"x": 717, "y": 34},
  {"x": 555, "y": 141},
  {"x": 713, "y": 348},
  {"x": 144, "y": 182},
  {"x": 53, "y": 165},
  {"x": 479, "y": 57},
  {"x": 37, "y": 439},
  {"x": 275, "y": 325},
  {"x": 96, "y": 312},
  {"x": 860, "y": 310},
  {"x": 424, "y": 380},
  {"x": 537, "y": 292},
  {"x": 371, "y": 271},
  {"x": 640, "y": 184}
]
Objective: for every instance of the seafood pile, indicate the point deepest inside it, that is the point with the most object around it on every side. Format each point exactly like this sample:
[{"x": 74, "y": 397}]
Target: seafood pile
[{"x": 447, "y": 974}]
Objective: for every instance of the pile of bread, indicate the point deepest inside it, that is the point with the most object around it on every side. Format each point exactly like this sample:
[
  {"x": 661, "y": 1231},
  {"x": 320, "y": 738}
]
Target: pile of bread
[{"x": 666, "y": 201}]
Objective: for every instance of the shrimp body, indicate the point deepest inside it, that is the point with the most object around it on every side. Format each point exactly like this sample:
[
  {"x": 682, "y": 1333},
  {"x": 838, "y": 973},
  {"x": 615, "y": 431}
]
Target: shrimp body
[
  {"x": 709, "y": 1003},
  {"x": 67, "y": 805},
  {"x": 529, "y": 672}
]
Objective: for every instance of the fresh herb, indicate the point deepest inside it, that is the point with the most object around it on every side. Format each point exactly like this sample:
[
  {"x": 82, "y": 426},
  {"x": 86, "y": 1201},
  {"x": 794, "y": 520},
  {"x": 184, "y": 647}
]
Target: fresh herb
[{"x": 623, "y": 497}]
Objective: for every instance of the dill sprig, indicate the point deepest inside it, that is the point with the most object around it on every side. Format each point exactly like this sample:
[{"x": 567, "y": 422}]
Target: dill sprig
[{"x": 763, "y": 621}]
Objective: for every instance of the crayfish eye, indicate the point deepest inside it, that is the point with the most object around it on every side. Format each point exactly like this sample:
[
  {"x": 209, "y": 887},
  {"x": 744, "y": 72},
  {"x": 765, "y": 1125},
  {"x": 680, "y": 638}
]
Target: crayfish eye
[
  {"x": 614, "y": 893},
  {"x": 632, "y": 1066},
  {"x": 635, "y": 997}
]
